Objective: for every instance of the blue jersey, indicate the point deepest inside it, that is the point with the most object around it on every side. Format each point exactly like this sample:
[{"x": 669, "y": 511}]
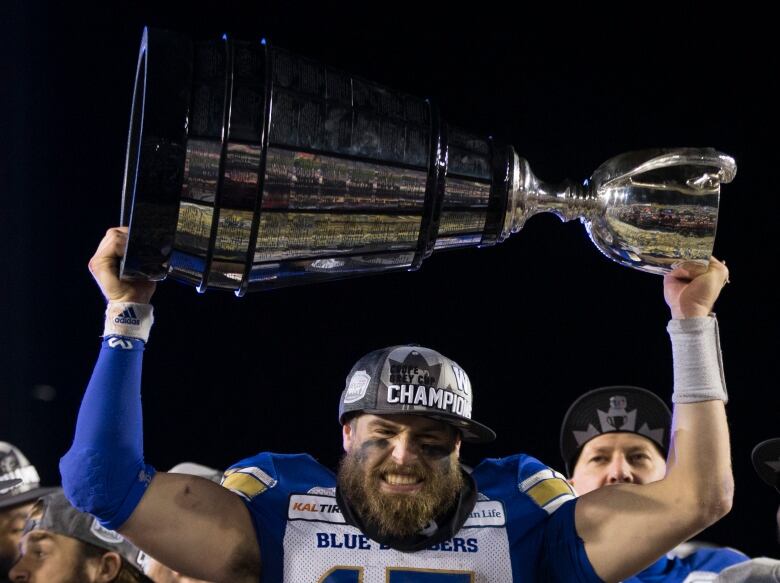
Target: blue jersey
[
  {"x": 700, "y": 566},
  {"x": 521, "y": 528}
]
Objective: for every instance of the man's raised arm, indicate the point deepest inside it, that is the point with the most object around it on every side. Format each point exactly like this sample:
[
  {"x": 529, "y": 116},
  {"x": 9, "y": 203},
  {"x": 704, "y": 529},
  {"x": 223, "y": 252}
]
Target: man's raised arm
[
  {"x": 186, "y": 522},
  {"x": 627, "y": 527}
]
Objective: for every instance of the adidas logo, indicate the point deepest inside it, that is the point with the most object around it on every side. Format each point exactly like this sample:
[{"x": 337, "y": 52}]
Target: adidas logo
[{"x": 128, "y": 317}]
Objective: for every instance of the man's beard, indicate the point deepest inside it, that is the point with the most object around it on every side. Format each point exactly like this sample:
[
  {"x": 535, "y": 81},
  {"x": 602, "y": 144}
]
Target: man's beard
[
  {"x": 399, "y": 515},
  {"x": 80, "y": 575}
]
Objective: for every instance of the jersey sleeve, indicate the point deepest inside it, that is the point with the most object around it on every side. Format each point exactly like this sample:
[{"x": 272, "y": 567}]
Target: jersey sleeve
[
  {"x": 265, "y": 483},
  {"x": 540, "y": 519},
  {"x": 104, "y": 472},
  {"x": 563, "y": 556}
]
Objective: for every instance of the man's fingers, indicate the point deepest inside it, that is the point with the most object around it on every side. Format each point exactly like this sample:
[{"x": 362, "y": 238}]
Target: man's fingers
[
  {"x": 719, "y": 267},
  {"x": 110, "y": 249},
  {"x": 104, "y": 267},
  {"x": 112, "y": 245},
  {"x": 689, "y": 271}
]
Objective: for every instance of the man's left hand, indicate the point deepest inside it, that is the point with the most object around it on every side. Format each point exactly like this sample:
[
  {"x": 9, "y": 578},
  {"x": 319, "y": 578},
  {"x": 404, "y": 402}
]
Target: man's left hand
[{"x": 691, "y": 295}]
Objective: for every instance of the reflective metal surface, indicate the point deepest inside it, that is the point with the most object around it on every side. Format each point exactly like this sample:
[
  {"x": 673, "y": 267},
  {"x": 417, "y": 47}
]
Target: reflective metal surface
[
  {"x": 251, "y": 168},
  {"x": 653, "y": 210}
]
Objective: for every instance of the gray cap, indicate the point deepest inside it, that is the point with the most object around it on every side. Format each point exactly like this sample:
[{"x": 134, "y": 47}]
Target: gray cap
[
  {"x": 766, "y": 461},
  {"x": 410, "y": 379},
  {"x": 19, "y": 480},
  {"x": 59, "y": 517},
  {"x": 616, "y": 408},
  {"x": 759, "y": 570}
]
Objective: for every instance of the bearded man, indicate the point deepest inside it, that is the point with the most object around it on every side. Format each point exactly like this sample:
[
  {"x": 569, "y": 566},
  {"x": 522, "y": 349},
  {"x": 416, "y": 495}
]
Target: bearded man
[{"x": 401, "y": 508}]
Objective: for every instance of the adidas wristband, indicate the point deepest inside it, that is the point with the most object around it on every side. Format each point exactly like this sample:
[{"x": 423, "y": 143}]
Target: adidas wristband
[
  {"x": 698, "y": 365},
  {"x": 129, "y": 319}
]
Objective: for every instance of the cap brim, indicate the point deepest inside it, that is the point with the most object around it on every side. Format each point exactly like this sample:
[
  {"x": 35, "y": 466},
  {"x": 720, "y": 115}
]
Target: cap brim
[
  {"x": 10, "y": 499},
  {"x": 471, "y": 431}
]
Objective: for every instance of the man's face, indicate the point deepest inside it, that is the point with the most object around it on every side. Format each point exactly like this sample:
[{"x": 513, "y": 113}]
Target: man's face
[
  {"x": 11, "y": 527},
  {"x": 400, "y": 471},
  {"x": 617, "y": 458},
  {"x": 52, "y": 558}
]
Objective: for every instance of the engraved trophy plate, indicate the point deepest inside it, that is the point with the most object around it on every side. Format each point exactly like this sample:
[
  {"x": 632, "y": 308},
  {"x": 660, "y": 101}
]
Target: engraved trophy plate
[{"x": 250, "y": 168}]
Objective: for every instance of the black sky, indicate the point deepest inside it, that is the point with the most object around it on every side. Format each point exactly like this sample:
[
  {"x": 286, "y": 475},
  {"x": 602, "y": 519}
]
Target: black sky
[{"x": 535, "y": 321}]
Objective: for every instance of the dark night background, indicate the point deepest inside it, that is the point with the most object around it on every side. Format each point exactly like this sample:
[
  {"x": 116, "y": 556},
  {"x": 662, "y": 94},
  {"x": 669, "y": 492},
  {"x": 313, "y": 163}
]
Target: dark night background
[{"x": 535, "y": 321}]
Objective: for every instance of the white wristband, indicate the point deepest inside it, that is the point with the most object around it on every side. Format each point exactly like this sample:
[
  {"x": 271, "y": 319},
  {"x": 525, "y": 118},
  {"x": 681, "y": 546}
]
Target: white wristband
[
  {"x": 698, "y": 365},
  {"x": 129, "y": 319}
]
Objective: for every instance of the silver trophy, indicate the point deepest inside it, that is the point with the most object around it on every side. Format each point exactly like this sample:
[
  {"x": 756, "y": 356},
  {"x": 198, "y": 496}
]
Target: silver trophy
[{"x": 251, "y": 168}]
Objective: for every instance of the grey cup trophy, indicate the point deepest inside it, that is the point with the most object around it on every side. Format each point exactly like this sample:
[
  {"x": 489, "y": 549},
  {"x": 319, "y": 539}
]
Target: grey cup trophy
[{"x": 251, "y": 168}]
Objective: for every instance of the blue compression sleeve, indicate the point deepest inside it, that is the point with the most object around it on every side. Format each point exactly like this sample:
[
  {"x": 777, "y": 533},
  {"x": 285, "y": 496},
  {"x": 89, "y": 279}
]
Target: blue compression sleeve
[{"x": 104, "y": 472}]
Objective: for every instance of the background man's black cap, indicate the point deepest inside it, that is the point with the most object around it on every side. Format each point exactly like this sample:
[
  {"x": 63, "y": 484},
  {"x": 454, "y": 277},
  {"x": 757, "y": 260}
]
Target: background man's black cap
[{"x": 614, "y": 408}]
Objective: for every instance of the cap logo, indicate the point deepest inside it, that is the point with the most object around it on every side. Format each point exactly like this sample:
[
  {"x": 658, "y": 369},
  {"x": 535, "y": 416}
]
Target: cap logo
[
  {"x": 27, "y": 477},
  {"x": 9, "y": 462},
  {"x": 462, "y": 379},
  {"x": 142, "y": 559},
  {"x": 413, "y": 370},
  {"x": 8, "y": 485},
  {"x": 357, "y": 386},
  {"x": 105, "y": 534},
  {"x": 774, "y": 465},
  {"x": 617, "y": 418},
  {"x": 415, "y": 383},
  {"x": 429, "y": 397}
]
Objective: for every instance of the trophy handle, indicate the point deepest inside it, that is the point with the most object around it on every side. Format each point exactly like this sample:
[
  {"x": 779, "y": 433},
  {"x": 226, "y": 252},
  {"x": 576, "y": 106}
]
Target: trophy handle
[{"x": 706, "y": 169}]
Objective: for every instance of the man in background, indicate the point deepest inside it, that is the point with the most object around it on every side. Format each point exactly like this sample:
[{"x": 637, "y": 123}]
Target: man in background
[
  {"x": 620, "y": 435},
  {"x": 62, "y": 545},
  {"x": 19, "y": 488}
]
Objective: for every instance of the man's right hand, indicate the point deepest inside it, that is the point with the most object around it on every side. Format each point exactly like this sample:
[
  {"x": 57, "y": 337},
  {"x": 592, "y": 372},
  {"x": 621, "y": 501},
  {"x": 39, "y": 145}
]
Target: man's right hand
[{"x": 104, "y": 267}]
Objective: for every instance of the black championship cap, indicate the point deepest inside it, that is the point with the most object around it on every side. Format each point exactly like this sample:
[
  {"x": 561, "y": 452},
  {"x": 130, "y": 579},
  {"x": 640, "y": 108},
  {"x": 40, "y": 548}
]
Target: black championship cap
[
  {"x": 766, "y": 461},
  {"x": 412, "y": 380},
  {"x": 19, "y": 481},
  {"x": 619, "y": 408},
  {"x": 56, "y": 515}
]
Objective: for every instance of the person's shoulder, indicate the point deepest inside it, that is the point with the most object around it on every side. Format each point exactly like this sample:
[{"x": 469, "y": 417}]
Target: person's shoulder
[
  {"x": 716, "y": 558},
  {"x": 284, "y": 473},
  {"x": 524, "y": 470},
  {"x": 526, "y": 476}
]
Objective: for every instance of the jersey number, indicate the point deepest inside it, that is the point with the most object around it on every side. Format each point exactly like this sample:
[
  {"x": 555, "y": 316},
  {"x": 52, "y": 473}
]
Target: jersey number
[{"x": 397, "y": 575}]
